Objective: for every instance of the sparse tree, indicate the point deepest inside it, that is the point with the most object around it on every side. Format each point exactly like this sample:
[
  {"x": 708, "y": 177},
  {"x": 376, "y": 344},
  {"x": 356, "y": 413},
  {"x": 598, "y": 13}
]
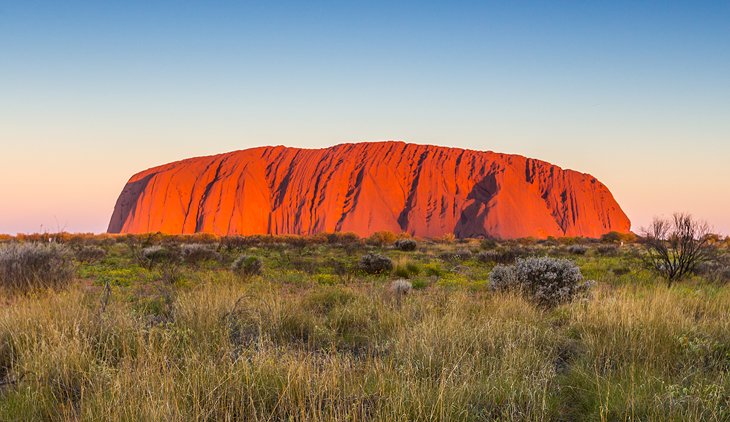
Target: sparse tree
[{"x": 676, "y": 246}]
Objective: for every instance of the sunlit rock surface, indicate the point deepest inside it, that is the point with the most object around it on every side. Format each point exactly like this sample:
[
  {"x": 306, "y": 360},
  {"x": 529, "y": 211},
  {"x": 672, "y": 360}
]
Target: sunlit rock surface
[{"x": 424, "y": 190}]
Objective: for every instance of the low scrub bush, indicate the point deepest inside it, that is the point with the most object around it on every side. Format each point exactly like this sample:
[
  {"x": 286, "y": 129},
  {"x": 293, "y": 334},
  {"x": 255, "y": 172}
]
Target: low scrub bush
[
  {"x": 488, "y": 243},
  {"x": 376, "y": 264},
  {"x": 548, "y": 282},
  {"x": 502, "y": 255},
  {"x": 616, "y": 237},
  {"x": 717, "y": 270},
  {"x": 405, "y": 244},
  {"x": 90, "y": 254},
  {"x": 381, "y": 238},
  {"x": 343, "y": 270},
  {"x": 247, "y": 266},
  {"x": 457, "y": 255},
  {"x": 607, "y": 250},
  {"x": 433, "y": 270},
  {"x": 342, "y": 238},
  {"x": 577, "y": 249},
  {"x": 407, "y": 270},
  {"x": 195, "y": 253},
  {"x": 26, "y": 266},
  {"x": 503, "y": 278},
  {"x": 153, "y": 255}
]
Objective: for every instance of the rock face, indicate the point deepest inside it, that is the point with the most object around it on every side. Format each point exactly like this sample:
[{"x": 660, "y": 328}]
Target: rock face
[{"x": 424, "y": 190}]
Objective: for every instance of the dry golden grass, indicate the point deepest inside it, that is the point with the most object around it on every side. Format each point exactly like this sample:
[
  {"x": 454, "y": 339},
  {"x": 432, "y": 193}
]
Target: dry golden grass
[
  {"x": 263, "y": 351},
  {"x": 303, "y": 342}
]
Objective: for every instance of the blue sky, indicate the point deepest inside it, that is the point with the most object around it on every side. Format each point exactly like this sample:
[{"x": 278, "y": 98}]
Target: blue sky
[{"x": 635, "y": 93}]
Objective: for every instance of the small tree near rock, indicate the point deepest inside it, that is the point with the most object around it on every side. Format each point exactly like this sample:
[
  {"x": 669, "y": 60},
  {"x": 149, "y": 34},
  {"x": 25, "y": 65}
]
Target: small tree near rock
[{"x": 676, "y": 246}]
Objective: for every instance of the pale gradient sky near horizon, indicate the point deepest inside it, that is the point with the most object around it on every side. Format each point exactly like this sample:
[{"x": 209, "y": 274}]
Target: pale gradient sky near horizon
[{"x": 634, "y": 93}]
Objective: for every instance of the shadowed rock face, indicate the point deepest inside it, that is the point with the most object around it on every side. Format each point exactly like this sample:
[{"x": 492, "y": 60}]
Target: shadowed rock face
[{"x": 423, "y": 190}]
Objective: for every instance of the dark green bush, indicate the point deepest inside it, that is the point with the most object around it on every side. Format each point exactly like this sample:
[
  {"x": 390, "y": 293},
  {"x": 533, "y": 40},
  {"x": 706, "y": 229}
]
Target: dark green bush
[
  {"x": 433, "y": 270},
  {"x": 577, "y": 249},
  {"x": 376, "y": 264},
  {"x": 247, "y": 266},
  {"x": 488, "y": 243},
  {"x": 405, "y": 244},
  {"x": 607, "y": 250}
]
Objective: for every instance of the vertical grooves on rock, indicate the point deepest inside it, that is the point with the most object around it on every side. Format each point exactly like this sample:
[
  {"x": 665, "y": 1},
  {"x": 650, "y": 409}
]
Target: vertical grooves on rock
[
  {"x": 403, "y": 218},
  {"x": 419, "y": 189},
  {"x": 204, "y": 197}
]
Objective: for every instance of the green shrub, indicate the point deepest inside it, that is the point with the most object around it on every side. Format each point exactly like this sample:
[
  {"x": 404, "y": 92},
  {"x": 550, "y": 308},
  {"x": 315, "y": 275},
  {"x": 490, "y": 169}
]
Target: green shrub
[
  {"x": 488, "y": 243},
  {"x": 342, "y": 238},
  {"x": 407, "y": 270},
  {"x": 26, "y": 266},
  {"x": 433, "y": 270},
  {"x": 247, "y": 266},
  {"x": 322, "y": 301},
  {"x": 327, "y": 279},
  {"x": 419, "y": 284},
  {"x": 616, "y": 237},
  {"x": 343, "y": 270}
]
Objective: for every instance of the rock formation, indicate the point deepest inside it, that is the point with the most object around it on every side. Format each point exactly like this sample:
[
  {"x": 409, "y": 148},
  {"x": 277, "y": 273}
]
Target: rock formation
[{"x": 424, "y": 190}]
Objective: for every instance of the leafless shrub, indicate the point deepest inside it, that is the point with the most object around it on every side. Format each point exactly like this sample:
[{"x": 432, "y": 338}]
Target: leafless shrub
[{"x": 676, "y": 246}]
